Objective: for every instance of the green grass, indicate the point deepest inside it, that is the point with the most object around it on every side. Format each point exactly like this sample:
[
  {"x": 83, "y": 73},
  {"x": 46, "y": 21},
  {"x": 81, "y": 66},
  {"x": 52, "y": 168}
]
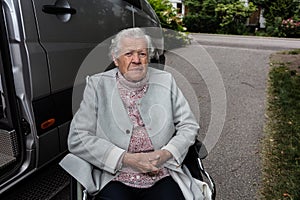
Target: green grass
[
  {"x": 281, "y": 145},
  {"x": 294, "y": 52}
]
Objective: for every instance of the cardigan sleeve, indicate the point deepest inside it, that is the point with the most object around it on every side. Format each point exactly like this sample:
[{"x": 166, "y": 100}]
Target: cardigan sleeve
[
  {"x": 82, "y": 139},
  {"x": 186, "y": 126}
]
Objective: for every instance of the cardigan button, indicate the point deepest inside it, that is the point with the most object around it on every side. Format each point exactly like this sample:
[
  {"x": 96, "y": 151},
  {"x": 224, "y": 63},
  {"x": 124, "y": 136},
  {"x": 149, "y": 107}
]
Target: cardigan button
[{"x": 127, "y": 131}]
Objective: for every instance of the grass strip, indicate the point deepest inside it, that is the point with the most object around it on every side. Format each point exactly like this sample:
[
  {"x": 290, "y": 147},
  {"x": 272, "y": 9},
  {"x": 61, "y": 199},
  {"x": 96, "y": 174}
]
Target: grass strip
[{"x": 281, "y": 145}]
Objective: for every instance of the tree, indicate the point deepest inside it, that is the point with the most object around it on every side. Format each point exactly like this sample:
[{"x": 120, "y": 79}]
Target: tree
[
  {"x": 217, "y": 16},
  {"x": 233, "y": 16},
  {"x": 201, "y": 16},
  {"x": 277, "y": 13},
  {"x": 279, "y": 8},
  {"x": 172, "y": 24},
  {"x": 167, "y": 14}
]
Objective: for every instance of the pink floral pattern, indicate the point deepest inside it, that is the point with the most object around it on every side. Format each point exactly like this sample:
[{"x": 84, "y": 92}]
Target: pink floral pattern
[{"x": 140, "y": 141}]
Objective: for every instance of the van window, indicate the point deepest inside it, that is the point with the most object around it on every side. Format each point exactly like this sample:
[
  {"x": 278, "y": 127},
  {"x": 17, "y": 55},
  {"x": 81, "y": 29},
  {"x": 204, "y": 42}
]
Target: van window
[{"x": 135, "y": 3}]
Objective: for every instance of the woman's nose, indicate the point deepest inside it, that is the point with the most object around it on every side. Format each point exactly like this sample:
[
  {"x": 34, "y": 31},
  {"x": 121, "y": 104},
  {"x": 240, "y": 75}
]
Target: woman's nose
[{"x": 136, "y": 58}]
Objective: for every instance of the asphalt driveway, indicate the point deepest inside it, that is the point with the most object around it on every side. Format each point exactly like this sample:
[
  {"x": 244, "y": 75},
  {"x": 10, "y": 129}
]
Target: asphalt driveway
[{"x": 234, "y": 147}]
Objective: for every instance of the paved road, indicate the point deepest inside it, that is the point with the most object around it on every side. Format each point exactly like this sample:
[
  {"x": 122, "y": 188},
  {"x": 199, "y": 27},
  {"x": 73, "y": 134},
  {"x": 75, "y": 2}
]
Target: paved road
[
  {"x": 242, "y": 63},
  {"x": 247, "y": 42}
]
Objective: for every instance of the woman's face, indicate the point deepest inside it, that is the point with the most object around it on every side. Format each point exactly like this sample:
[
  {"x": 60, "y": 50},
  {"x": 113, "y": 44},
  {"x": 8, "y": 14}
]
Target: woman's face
[{"x": 132, "y": 60}]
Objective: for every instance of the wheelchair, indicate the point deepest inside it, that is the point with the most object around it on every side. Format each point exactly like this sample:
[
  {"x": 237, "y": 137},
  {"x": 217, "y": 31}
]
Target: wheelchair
[{"x": 197, "y": 152}]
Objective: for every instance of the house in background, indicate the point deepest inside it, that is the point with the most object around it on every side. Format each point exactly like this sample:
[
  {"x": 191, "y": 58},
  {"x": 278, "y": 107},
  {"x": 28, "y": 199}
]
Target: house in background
[
  {"x": 256, "y": 19},
  {"x": 179, "y": 6}
]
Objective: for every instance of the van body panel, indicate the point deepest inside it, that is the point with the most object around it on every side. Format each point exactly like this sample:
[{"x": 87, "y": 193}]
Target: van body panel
[{"x": 68, "y": 43}]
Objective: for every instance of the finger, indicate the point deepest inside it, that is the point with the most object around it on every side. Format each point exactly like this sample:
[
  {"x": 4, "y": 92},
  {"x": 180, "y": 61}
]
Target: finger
[
  {"x": 149, "y": 168},
  {"x": 154, "y": 169},
  {"x": 156, "y": 157}
]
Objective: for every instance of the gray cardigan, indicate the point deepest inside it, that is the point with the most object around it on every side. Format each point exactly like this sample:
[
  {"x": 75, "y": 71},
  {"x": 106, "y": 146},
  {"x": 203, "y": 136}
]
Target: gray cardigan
[{"x": 101, "y": 129}]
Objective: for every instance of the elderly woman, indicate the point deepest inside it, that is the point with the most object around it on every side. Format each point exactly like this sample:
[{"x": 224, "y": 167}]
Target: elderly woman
[{"x": 135, "y": 125}]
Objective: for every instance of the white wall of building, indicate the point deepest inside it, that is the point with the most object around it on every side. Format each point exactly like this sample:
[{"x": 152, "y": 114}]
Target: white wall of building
[{"x": 178, "y": 4}]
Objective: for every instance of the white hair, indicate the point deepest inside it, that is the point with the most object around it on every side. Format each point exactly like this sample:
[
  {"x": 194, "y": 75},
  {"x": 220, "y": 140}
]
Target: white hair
[{"x": 135, "y": 33}]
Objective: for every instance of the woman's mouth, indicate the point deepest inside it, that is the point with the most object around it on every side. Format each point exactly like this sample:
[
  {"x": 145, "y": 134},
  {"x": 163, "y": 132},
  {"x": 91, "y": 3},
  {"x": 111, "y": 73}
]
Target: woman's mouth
[{"x": 136, "y": 69}]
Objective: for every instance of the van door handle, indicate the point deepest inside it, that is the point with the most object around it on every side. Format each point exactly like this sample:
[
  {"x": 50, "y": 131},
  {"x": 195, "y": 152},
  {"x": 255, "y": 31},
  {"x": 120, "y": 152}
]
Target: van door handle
[{"x": 55, "y": 10}]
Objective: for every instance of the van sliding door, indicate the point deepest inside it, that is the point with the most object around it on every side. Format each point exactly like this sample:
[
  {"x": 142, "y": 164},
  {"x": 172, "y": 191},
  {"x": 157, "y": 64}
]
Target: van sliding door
[{"x": 11, "y": 151}]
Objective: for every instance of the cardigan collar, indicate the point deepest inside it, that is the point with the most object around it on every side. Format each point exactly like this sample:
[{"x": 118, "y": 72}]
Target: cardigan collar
[{"x": 132, "y": 85}]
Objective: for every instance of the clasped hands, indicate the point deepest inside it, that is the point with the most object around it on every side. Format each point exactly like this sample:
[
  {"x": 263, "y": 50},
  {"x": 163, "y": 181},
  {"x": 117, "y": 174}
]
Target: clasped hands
[{"x": 149, "y": 162}]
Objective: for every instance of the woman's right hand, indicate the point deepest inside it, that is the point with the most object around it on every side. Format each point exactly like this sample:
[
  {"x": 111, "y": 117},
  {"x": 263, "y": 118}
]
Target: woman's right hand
[{"x": 140, "y": 162}]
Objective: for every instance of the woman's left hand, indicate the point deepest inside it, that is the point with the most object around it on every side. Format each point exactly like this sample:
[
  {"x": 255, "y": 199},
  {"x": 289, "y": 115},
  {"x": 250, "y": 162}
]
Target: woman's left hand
[{"x": 159, "y": 157}]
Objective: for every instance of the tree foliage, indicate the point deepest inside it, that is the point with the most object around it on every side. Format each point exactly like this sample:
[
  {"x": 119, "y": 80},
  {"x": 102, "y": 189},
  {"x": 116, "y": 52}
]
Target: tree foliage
[
  {"x": 229, "y": 16},
  {"x": 167, "y": 14},
  {"x": 172, "y": 24},
  {"x": 233, "y": 16},
  {"x": 279, "y": 8},
  {"x": 217, "y": 16},
  {"x": 201, "y": 16},
  {"x": 277, "y": 13}
]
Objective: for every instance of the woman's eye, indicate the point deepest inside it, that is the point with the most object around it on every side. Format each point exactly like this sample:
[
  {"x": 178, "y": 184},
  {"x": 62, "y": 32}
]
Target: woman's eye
[
  {"x": 128, "y": 54},
  {"x": 143, "y": 54}
]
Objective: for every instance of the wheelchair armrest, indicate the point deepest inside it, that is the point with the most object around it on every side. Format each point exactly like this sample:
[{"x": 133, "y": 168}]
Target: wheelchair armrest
[
  {"x": 197, "y": 150},
  {"x": 85, "y": 173},
  {"x": 200, "y": 149},
  {"x": 193, "y": 160}
]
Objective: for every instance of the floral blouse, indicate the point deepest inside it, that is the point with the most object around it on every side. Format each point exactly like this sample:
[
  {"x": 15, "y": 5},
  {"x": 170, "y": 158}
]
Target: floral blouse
[{"x": 131, "y": 93}]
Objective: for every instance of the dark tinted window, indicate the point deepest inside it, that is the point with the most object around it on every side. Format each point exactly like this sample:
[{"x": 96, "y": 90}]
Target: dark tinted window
[{"x": 135, "y": 3}]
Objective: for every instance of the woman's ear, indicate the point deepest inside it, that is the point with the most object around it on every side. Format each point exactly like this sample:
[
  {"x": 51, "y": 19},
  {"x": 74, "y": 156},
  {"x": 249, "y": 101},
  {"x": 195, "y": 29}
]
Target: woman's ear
[{"x": 115, "y": 60}]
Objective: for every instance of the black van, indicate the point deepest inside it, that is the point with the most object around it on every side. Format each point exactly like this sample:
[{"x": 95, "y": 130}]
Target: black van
[{"x": 43, "y": 43}]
